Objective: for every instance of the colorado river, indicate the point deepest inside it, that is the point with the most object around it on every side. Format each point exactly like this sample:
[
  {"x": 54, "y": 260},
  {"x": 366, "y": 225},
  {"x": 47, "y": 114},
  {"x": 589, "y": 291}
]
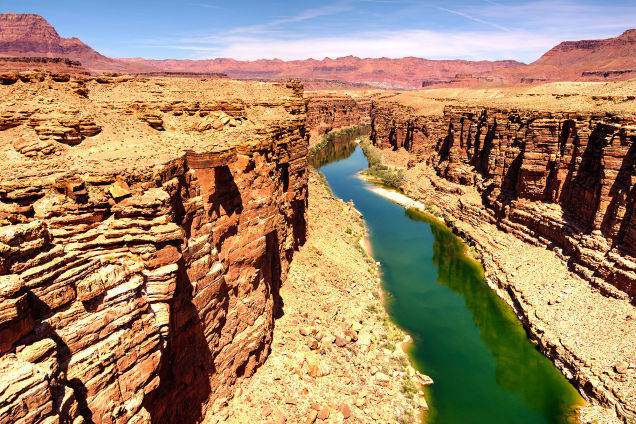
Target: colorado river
[{"x": 464, "y": 336}]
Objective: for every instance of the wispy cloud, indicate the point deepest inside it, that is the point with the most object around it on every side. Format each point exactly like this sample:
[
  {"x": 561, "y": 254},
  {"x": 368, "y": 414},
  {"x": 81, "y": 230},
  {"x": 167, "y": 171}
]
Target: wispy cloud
[
  {"x": 474, "y": 19},
  {"x": 401, "y": 43},
  {"x": 564, "y": 16},
  {"x": 206, "y": 5},
  {"x": 303, "y": 16}
]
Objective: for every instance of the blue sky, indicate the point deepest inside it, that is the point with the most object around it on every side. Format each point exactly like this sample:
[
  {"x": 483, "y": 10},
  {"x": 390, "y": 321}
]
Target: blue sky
[{"x": 252, "y": 29}]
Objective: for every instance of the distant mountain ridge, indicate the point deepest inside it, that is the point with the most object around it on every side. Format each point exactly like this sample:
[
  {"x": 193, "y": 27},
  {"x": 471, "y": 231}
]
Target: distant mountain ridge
[
  {"x": 613, "y": 58},
  {"x": 406, "y": 72},
  {"x": 32, "y": 35}
]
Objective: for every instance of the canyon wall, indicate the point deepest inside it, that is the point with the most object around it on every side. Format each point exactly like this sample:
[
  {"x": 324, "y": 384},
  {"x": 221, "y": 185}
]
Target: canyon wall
[
  {"x": 142, "y": 244},
  {"x": 558, "y": 179},
  {"x": 328, "y": 112},
  {"x": 564, "y": 180}
]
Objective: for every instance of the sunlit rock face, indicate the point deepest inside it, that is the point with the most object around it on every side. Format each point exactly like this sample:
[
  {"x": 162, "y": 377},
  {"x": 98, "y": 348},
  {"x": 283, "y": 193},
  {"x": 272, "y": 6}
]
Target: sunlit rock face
[
  {"x": 564, "y": 178},
  {"x": 144, "y": 235}
]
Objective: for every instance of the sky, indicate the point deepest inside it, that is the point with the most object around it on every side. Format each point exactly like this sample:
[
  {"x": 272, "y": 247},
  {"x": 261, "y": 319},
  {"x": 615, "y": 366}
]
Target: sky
[{"x": 300, "y": 29}]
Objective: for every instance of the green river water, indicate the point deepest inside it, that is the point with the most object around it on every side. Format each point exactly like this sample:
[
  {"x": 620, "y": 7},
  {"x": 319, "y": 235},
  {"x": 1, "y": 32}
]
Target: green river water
[{"x": 464, "y": 336}]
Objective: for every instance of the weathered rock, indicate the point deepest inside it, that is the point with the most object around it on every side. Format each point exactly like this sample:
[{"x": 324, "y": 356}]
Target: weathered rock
[
  {"x": 548, "y": 177},
  {"x": 140, "y": 275}
]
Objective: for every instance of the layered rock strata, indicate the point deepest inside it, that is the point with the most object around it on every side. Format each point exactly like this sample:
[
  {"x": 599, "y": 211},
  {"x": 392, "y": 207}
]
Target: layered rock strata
[
  {"x": 588, "y": 335},
  {"x": 559, "y": 180},
  {"x": 541, "y": 180},
  {"x": 142, "y": 250},
  {"x": 563, "y": 179},
  {"x": 336, "y": 360},
  {"x": 332, "y": 111}
]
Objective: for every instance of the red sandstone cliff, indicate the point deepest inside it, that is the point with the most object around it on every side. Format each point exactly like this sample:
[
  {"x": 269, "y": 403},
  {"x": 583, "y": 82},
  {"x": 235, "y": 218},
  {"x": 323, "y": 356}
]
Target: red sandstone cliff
[
  {"x": 328, "y": 112},
  {"x": 551, "y": 178},
  {"x": 25, "y": 35},
  {"x": 31, "y": 35},
  {"x": 610, "y": 59},
  {"x": 550, "y": 169},
  {"x": 588, "y": 60},
  {"x": 144, "y": 236},
  {"x": 389, "y": 73}
]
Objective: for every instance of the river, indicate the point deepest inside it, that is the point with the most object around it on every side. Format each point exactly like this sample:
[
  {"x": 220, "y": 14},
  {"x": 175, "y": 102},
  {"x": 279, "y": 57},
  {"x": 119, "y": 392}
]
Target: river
[{"x": 464, "y": 336}]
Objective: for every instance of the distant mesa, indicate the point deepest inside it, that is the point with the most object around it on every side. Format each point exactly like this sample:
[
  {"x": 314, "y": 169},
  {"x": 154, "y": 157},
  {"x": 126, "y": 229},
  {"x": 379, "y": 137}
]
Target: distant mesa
[{"x": 29, "y": 35}]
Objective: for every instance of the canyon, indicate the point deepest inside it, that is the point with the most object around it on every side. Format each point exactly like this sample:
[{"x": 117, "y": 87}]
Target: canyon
[
  {"x": 587, "y": 60},
  {"x": 555, "y": 178},
  {"x": 158, "y": 244},
  {"x": 541, "y": 181}
]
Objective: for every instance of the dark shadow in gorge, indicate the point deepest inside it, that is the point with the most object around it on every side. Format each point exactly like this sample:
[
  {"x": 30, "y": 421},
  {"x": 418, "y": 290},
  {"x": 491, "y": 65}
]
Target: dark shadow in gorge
[
  {"x": 505, "y": 338},
  {"x": 621, "y": 197},
  {"x": 186, "y": 362},
  {"x": 584, "y": 186},
  {"x": 63, "y": 356}
]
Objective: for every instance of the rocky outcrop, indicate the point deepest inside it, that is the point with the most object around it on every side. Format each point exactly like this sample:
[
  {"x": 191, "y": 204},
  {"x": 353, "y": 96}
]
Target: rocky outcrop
[
  {"x": 553, "y": 179},
  {"x": 140, "y": 269},
  {"x": 30, "y": 35}
]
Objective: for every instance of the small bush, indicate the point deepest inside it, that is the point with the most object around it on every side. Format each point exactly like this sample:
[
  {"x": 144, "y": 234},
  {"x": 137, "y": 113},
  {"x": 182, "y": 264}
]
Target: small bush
[
  {"x": 408, "y": 387},
  {"x": 405, "y": 417},
  {"x": 372, "y": 309}
]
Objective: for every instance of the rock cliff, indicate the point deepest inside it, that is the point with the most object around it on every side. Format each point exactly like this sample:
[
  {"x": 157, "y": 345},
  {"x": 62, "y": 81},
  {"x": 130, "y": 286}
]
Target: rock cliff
[
  {"x": 541, "y": 181},
  {"x": 145, "y": 230},
  {"x": 332, "y": 111},
  {"x": 563, "y": 179},
  {"x": 30, "y": 35},
  {"x": 586, "y": 60}
]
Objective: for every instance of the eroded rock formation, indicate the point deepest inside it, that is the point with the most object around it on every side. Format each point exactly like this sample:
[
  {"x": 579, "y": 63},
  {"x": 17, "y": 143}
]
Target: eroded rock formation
[
  {"x": 542, "y": 181},
  {"x": 564, "y": 179},
  {"x": 141, "y": 263},
  {"x": 328, "y": 112}
]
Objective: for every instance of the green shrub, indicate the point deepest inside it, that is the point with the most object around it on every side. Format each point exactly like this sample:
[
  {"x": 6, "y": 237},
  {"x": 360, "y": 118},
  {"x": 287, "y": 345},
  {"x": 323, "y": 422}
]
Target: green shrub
[
  {"x": 408, "y": 387},
  {"x": 381, "y": 173}
]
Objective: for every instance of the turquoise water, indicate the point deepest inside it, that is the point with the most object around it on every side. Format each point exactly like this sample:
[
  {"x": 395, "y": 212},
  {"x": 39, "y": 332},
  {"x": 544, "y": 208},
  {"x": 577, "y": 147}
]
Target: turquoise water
[{"x": 464, "y": 336}]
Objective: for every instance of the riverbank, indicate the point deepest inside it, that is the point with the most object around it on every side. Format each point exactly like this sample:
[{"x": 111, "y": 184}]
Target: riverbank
[
  {"x": 565, "y": 317},
  {"x": 335, "y": 360}
]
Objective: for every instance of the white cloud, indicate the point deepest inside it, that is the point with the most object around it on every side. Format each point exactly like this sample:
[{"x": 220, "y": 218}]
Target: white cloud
[
  {"x": 521, "y": 31},
  {"x": 419, "y": 43}
]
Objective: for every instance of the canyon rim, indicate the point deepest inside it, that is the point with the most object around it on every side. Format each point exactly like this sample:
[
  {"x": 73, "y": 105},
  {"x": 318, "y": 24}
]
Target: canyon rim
[{"x": 169, "y": 252}]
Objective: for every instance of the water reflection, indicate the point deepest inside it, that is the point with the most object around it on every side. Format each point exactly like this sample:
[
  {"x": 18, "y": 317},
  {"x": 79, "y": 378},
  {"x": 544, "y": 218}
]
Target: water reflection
[
  {"x": 336, "y": 146},
  {"x": 332, "y": 152},
  {"x": 518, "y": 366}
]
